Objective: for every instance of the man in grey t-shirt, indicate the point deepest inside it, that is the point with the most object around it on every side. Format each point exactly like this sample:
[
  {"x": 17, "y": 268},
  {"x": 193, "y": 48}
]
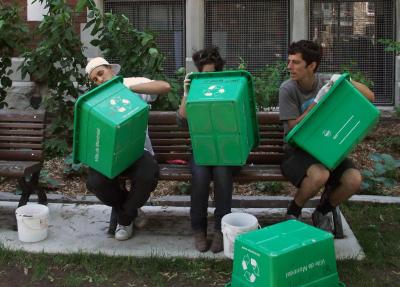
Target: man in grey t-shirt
[{"x": 297, "y": 96}]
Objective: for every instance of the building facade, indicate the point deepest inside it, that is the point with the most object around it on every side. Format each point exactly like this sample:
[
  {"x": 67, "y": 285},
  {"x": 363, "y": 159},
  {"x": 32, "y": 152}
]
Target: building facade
[{"x": 258, "y": 32}]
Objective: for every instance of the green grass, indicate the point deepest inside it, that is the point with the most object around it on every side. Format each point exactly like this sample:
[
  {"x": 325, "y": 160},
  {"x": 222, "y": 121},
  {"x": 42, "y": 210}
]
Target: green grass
[{"x": 377, "y": 227}]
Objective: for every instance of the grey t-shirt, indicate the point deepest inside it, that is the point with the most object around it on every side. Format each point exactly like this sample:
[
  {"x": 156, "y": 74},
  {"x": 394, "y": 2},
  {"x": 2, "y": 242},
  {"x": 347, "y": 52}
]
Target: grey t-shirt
[{"x": 294, "y": 100}]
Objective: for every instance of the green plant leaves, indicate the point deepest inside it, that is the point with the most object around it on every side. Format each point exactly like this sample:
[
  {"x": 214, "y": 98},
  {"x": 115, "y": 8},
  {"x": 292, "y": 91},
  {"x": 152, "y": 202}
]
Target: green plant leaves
[{"x": 385, "y": 172}]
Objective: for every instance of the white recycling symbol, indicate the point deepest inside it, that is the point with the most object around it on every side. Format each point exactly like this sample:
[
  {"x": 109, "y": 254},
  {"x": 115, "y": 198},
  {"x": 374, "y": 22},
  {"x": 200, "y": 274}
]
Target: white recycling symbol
[
  {"x": 120, "y": 104},
  {"x": 250, "y": 268},
  {"x": 214, "y": 90}
]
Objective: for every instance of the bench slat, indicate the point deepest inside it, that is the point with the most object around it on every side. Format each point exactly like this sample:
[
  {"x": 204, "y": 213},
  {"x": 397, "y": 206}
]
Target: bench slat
[
  {"x": 22, "y": 116},
  {"x": 21, "y": 139},
  {"x": 18, "y": 168},
  {"x": 23, "y": 132},
  {"x": 23, "y": 125},
  {"x": 20, "y": 155},
  {"x": 248, "y": 173},
  {"x": 13, "y": 146}
]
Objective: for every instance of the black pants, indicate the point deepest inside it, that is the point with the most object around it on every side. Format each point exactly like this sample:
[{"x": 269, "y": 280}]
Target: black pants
[
  {"x": 223, "y": 186},
  {"x": 143, "y": 173}
]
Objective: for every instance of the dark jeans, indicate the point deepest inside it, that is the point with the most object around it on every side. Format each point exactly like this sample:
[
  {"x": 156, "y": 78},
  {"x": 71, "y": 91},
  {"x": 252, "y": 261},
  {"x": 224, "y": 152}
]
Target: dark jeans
[
  {"x": 200, "y": 186},
  {"x": 143, "y": 173}
]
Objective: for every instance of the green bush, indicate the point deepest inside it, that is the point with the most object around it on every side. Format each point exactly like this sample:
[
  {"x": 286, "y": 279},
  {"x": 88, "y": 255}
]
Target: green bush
[
  {"x": 385, "y": 173},
  {"x": 266, "y": 85},
  {"x": 356, "y": 74},
  {"x": 13, "y": 37},
  {"x": 58, "y": 61}
]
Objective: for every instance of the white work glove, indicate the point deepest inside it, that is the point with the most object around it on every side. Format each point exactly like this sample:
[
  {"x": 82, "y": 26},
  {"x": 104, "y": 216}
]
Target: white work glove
[
  {"x": 186, "y": 84},
  {"x": 322, "y": 92},
  {"x": 334, "y": 78}
]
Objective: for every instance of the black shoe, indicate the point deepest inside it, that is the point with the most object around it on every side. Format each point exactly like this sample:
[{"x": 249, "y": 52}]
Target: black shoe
[{"x": 200, "y": 241}]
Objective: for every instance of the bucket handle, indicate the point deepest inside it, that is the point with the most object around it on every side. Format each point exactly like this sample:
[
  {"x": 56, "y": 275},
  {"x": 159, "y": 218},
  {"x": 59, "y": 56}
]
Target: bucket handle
[{"x": 30, "y": 227}]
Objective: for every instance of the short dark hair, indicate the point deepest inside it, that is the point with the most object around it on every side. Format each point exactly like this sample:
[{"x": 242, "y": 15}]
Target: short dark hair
[
  {"x": 309, "y": 50},
  {"x": 208, "y": 56}
]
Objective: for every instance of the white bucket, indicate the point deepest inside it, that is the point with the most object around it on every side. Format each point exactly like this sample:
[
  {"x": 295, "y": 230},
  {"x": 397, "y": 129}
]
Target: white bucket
[
  {"x": 32, "y": 222},
  {"x": 232, "y": 225}
]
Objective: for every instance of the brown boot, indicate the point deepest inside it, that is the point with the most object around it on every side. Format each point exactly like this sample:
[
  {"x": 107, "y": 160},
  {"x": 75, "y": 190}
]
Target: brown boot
[
  {"x": 217, "y": 244},
  {"x": 200, "y": 241}
]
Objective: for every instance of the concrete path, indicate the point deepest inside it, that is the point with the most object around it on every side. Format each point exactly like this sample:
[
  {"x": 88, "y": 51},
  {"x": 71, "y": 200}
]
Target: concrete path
[{"x": 75, "y": 228}]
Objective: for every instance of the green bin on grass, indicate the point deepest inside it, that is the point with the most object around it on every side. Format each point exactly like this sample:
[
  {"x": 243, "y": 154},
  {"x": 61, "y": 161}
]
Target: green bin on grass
[
  {"x": 336, "y": 124},
  {"x": 109, "y": 128},
  {"x": 222, "y": 117},
  {"x": 287, "y": 254}
]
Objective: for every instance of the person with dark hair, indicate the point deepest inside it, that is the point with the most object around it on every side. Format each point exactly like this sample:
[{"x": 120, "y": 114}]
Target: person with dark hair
[
  {"x": 143, "y": 173},
  {"x": 297, "y": 96},
  {"x": 207, "y": 60}
]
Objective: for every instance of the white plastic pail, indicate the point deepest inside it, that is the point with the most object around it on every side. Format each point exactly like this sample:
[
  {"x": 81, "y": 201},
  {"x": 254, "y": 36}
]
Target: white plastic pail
[
  {"x": 232, "y": 225},
  {"x": 32, "y": 222}
]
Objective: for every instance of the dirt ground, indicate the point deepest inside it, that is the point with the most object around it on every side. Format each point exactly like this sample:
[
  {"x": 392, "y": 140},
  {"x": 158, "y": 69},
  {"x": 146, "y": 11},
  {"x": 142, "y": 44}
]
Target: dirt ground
[{"x": 57, "y": 181}]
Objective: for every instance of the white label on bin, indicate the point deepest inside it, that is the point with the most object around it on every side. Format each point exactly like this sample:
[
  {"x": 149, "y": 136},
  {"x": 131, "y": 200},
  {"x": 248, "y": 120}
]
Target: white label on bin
[
  {"x": 348, "y": 121},
  {"x": 250, "y": 268},
  {"x": 97, "y": 149},
  {"x": 356, "y": 125},
  {"x": 214, "y": 90}
]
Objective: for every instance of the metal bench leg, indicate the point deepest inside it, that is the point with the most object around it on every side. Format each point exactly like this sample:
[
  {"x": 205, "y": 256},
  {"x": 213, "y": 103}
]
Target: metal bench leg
[
  {"x": 337, "y": 223},
  {"x": 42, "y": 198},
  {"x": 26, "y": 191},
  {"x": 113, "y": 222}
]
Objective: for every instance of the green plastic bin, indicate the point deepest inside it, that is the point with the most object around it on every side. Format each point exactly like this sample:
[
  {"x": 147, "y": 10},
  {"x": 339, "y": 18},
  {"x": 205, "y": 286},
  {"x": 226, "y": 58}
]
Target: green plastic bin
[
  {"x": 336, "y": 124},
  {"x": 222, "y": 117},
  {"x": 109, "y": 128},
  {"x": 287, "y": 254}
]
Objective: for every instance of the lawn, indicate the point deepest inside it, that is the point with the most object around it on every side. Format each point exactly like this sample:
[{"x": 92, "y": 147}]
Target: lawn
[{"x": 376, "y": 226}]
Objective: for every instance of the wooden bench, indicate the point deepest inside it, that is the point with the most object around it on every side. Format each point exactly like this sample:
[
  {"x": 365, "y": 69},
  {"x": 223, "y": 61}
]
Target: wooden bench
[
  {"x": 171, "y": 142},
  {"x": 21, "y": 150}
]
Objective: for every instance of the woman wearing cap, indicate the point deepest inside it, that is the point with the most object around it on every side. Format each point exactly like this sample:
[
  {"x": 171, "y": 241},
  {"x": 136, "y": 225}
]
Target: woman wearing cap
[
  {"x": 143, "y": 172},
  {"x": 207, "y": 60}
]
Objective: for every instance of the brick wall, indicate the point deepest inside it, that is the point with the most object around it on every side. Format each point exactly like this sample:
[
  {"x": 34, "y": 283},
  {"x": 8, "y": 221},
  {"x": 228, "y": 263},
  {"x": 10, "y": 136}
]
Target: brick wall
[{"x": 32, "y": 25}]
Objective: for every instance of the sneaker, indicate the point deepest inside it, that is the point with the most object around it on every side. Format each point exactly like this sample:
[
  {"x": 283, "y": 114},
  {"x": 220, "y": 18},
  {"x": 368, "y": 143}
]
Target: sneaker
[
  {"x": 217, "y": 244},
  {"x": 321, "y": 221},
  {"x": 141, "y": 220},
  {"x": 124, "y": 232},
  {"x": 200, "y": 241}
]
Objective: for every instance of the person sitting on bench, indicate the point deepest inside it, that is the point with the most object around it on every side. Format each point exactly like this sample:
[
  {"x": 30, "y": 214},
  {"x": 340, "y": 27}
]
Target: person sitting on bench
[
  {"x": 297, "y": 96},
  {"x": 143, "y": 173},
  {"x": 207, "y": 60}
]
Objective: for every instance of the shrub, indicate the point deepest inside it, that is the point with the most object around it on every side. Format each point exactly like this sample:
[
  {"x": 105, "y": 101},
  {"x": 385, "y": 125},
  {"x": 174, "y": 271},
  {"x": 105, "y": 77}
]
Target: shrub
[
  {"x": 13, "y": 37},
  {"x": 385, "y": 172}
]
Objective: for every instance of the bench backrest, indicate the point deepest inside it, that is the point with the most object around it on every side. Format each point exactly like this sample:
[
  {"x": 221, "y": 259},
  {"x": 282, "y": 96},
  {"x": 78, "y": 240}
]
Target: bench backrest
[
  {"x": 21, "y": 135},
  {"x": 171, "y": 142}
]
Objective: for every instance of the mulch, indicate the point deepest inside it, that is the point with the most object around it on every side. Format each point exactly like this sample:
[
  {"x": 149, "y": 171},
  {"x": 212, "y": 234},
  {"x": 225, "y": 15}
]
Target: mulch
[{"x": 57, "y": 181}]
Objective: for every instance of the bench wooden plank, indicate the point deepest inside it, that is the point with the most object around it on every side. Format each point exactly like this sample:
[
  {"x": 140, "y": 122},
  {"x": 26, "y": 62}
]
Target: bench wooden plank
[
  {"x": 21, "y": 149},
  {"x": 18, "y": 168}
]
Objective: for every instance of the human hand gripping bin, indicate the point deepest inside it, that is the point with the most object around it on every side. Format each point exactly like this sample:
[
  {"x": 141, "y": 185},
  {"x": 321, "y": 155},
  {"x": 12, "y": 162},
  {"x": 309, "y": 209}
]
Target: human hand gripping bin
[
  {"x": 109, "y": 128},
  {"x": 222, "y": 117},
  {"x": 287, "y": 254},
  {"x": 336, "y": 124}
]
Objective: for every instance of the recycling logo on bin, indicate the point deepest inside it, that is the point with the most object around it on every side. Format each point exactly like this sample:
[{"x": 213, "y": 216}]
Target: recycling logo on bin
[
  {"x": 120, "y": 105},
  {"x": 214, "y": 90},
  {"x": 250, "y": 268}
]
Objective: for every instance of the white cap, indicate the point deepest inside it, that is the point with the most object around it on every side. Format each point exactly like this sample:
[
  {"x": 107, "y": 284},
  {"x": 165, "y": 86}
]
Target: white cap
[{"x": 99, "y": 61}]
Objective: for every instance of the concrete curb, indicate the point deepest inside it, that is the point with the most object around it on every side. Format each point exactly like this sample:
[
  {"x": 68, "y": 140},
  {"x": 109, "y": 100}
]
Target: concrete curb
[{"x": 254, "y": 201}]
